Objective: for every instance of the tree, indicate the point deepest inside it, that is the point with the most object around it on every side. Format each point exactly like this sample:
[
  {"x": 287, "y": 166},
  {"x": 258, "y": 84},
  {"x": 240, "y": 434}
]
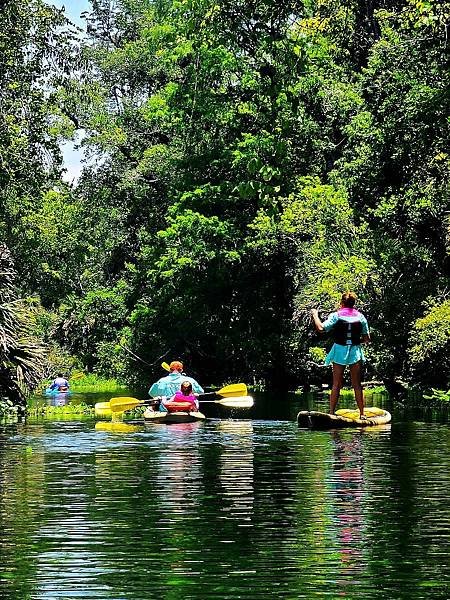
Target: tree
[
  {"x": 253, "y": 159},
  {"x": 35, "y": 46}
]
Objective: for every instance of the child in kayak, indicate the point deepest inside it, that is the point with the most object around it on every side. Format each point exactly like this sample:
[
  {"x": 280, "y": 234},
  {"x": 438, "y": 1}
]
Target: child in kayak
[{"x": 185, "y": 394}]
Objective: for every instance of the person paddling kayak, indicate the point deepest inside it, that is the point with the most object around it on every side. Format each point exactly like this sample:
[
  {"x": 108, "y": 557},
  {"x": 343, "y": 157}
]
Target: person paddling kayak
[
  {"x": 349, "y": 329},
  {"x": 170, "y": 384},
  {"x": 59, "y": 383}
]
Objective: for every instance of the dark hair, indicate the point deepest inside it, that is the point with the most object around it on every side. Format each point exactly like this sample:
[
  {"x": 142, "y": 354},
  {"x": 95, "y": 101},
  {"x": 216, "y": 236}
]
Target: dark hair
[
  {"x": 186, "y": 388},
  {"x": 348, "y": 299}
]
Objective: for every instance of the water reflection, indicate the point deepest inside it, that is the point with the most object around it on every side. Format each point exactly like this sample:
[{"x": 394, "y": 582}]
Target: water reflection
[
  {"x": 178, "y": 473},
  {"x": 117, "y": 427},
  {"x": 348, "y": 490},
  {"x": 59, "y": 399},
  {"x": 236, "y": 470},
  {"x": 232, "y": 508}
]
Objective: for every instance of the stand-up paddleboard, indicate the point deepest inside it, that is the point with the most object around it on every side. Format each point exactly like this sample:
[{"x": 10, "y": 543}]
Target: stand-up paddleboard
[{"x": 344, "y": 417}]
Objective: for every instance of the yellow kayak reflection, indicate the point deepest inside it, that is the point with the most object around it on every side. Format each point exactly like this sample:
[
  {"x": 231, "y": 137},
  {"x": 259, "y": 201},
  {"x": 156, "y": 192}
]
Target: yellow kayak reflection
[
  {"x": 116, "y": 427},
  {"x": 103, "y": 409}
]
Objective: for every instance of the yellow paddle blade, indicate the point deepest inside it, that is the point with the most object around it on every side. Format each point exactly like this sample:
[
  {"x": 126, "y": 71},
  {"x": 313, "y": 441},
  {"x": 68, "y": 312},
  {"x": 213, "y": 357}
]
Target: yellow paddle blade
[
  {"x": 165, "y": 366},
  {"x": 234, "y": 389},
  {"x": 123, "y": 404},
  {"x": 102, "y": 409},
  {"x": 237, "y": 402},
  {"x": 78, "y": 375}
]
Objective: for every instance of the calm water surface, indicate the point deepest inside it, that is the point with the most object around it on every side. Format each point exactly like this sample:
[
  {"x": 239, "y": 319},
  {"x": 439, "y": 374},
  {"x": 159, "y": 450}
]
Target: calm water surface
[{"x": 245, "y": 505}]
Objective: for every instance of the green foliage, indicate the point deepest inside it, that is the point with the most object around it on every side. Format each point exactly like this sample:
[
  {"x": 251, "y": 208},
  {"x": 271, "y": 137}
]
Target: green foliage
[
  {"x": 9, "y": 411},
  {"x": 89, "y": 326},
  {"x": 438, "y": 395},
  {"x": 430, "y": 343},
  {"x": 317, "y": 354},
  {"x": 263, "y": 164},
  {"x": 22, "y": 354},
  {"x": 249, "y": 162},
  {"x": 36, "y": 46},
  {"x": 93, "y": 382},
  {"x": 39, "y": 410},
  {"x": 82, "y": 382}
]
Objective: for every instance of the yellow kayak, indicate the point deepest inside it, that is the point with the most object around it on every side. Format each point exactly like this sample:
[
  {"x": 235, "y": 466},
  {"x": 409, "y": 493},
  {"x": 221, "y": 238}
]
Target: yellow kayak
[{"x": 154, "y": 416}]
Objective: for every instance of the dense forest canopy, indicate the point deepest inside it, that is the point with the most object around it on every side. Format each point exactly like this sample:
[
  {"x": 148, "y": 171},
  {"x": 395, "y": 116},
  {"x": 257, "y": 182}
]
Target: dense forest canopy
[{"x": 249, "y": 160}]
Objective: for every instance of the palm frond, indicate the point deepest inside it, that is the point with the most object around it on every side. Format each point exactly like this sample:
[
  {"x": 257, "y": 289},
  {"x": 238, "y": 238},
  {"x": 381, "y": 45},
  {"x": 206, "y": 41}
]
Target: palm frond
[{"x": 22, "y": 354}]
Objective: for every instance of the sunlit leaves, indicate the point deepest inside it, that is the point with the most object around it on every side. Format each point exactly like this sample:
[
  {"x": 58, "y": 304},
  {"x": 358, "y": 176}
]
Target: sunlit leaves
[
  {"x": 192, "y": 242},
  {"x": 253, "y": 161},
  {"x": 430, "y": 343}
]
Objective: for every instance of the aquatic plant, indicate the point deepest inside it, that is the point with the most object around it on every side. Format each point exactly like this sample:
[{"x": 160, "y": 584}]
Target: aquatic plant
[
  {"x": 67, "y": 410},
  {"x": 92, "y": 382},
  {"x": 440, "y": 395}
]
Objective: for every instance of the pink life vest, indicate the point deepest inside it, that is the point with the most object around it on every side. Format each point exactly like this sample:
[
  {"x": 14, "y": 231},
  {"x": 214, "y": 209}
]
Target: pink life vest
[{"x": 180, "y": 402}]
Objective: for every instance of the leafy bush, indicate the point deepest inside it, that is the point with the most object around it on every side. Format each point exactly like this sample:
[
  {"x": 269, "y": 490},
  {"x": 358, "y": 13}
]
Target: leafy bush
[
  {"x": 440, "y": 395},
  {"x": 22, "y": 354},
  {"x": 430, "y": 343}
]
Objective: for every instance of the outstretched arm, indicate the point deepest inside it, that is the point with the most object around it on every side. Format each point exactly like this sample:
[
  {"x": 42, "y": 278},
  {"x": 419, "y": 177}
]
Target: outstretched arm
[{"x": 317, "y": 322}]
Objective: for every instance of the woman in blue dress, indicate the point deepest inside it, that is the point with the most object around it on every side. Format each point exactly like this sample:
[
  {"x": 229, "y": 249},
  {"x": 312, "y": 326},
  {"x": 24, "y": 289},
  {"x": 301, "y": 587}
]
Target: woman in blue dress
[{"x": 349, "y": 329}]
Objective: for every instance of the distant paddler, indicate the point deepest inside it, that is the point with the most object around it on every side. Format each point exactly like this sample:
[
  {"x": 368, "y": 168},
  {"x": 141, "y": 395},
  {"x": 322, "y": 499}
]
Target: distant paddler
[{"x": 60, "y": 384}]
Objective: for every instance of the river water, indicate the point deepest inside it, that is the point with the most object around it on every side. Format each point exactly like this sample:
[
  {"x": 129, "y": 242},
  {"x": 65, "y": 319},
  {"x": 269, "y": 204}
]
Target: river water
[{"x": 245, "y": 505}]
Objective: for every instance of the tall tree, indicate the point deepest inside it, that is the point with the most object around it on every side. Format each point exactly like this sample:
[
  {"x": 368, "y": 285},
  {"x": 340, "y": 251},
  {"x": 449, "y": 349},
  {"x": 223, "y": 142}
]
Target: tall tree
[{"x": 35, "y": 47}]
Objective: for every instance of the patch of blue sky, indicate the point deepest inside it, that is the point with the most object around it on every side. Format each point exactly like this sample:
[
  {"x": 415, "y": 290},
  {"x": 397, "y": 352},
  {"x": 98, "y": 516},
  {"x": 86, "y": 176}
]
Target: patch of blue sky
[
  {"x": 73, "y": 9},
  {"x": 73, "y": 156}
]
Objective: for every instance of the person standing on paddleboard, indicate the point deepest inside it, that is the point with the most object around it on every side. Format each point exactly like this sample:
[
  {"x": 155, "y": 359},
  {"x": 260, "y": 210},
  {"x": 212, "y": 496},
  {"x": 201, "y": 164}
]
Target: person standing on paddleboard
[
  {"x": 170, "y": 384},
  {"x": 349, "y": 329}
]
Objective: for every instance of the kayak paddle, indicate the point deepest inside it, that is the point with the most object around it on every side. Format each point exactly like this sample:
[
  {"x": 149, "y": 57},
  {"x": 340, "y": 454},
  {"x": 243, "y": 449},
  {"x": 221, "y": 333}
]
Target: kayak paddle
[
  {"x": 230, "y": 395},
  {"x": 234, "y": 402},
  {"x": 234, "y": 389},
  {"x": 122, "y": 404}
]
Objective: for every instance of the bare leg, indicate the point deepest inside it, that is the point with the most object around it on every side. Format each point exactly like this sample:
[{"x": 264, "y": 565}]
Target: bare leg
[
  {"x": 338, "y": 378},
  {"x": 355, "y": 374}
]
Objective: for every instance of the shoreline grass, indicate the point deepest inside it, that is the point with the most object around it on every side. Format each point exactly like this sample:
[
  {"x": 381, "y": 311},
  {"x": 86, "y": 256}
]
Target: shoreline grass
[{"x": 80, "y": 382}]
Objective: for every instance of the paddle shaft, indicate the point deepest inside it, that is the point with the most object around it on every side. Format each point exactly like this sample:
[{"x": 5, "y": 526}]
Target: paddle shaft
[
  {"x": 204, "y": 397},
  {"x": 124, "y": 404}
]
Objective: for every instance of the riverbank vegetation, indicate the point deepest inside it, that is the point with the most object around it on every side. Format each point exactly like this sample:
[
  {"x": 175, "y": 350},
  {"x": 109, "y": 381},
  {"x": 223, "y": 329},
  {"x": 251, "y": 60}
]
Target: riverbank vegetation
[
  {"x": 80, "y": 382},
  {"x": 247, "y": 162},
  {"x": 22, "y": 353},
  {"x": 41, "y": 410}
]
